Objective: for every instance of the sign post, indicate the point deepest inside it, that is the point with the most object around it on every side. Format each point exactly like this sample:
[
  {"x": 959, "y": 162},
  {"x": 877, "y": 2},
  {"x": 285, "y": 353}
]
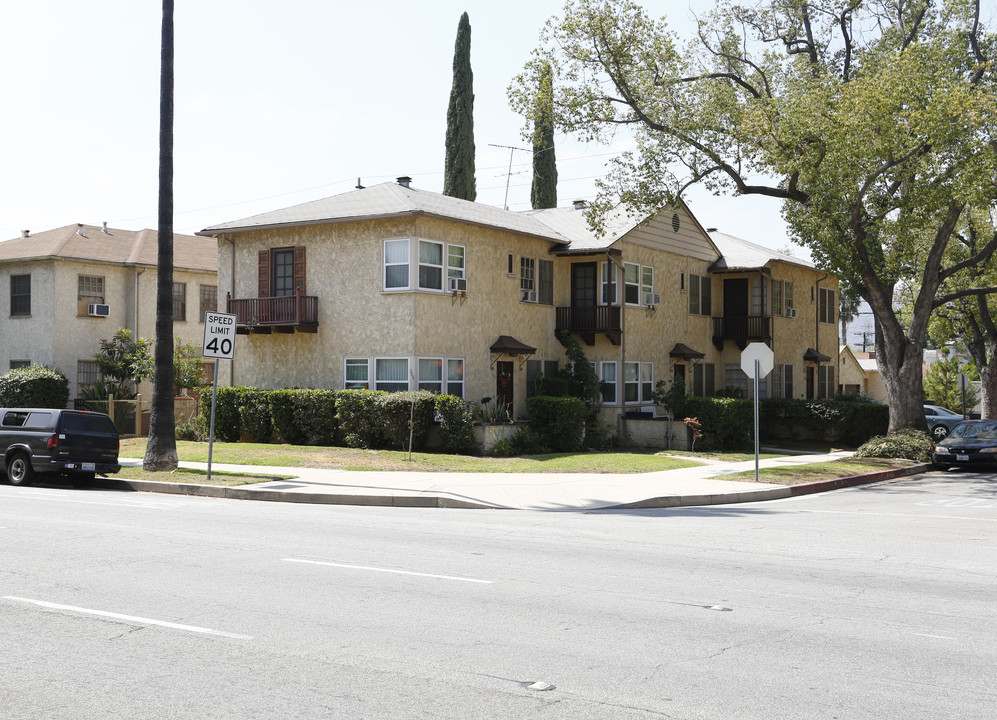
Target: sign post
[
  {"x": 219, "y": 343},
  {"x": 963, "y": 382},
  {"x": 756, "y": 362}
]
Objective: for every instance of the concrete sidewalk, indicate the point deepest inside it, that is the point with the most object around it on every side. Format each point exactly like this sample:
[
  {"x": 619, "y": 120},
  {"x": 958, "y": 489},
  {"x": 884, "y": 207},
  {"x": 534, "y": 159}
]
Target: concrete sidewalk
[{"x": 701, "y": 485}]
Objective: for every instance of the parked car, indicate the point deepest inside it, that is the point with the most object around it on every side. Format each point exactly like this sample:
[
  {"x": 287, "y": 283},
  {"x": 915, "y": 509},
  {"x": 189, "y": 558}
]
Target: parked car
[
  {"x": 71, "y": 443},
  {"x": 940, "y": 420},
  {"x": 971, "y": 443}
]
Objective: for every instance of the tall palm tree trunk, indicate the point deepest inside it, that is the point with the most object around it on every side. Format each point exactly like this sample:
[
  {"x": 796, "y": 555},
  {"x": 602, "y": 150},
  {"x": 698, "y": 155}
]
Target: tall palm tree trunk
[{"x": 161, "y": 450}]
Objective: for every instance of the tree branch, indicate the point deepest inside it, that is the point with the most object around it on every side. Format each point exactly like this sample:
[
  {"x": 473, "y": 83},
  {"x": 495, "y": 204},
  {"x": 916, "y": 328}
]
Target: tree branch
[{"x": 966, "y": 292}]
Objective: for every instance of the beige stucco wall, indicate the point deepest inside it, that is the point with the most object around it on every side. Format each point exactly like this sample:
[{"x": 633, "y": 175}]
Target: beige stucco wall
[{"x": 28, "y": 337}]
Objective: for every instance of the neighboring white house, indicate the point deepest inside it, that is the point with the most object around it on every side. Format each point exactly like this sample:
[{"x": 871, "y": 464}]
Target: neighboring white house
[{"x": 63, "y": 290}]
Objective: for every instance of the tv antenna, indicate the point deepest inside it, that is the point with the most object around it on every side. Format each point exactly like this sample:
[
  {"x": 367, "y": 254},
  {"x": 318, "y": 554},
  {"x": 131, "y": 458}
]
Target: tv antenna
[{"x": 508, "y": 175}]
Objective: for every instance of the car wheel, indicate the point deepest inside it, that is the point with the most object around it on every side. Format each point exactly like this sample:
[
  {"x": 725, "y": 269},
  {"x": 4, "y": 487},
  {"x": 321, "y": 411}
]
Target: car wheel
[
  {"x": 19, "y": 470},
  {"x": 939, "y": 432}
]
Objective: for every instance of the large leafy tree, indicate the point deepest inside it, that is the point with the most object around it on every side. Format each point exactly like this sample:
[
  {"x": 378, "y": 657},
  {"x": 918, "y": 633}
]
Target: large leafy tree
[
  {"x": 161, "y": 450},
  {"x": 124, "y": 359},
  {"x": 875, "y": 121},
  {"x": 458, "y": 172},
  {"x": 544, "y": 191}
]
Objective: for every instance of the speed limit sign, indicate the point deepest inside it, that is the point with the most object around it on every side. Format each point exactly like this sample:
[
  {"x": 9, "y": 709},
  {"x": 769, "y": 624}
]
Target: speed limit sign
[{"x": 219, "y": 335}]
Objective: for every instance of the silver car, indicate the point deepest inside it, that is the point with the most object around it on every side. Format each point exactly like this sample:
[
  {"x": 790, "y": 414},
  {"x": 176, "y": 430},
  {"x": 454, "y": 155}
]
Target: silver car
[{"x": 940, "y": 421}]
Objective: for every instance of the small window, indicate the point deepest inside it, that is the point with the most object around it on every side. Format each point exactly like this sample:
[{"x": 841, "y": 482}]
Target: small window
[
  {"x": 545, "y": 270},
  {"x": 700, "y": 295},
  {"x": 631, "y": 284},
  {"x": 391, "y": 374},
  {"x": 87, "y": 374},
  {"x": 431, "y": 375},
  {"x": 455, "y": 262},
  {"x": 647, "y": 280},
  {"x": 209, "y": 300},
  {"x": 527, "y": 279},
  {"x": 509, "y": 270},
  {"x": 608, "y": 378},
  {"x": 646, "y": 382},
  {"x": 15, "y": 364},
  {"x": 430, "y": 265},
  {"x": 20, "y": 295},
  {"x": 396, "y": 264},
  {"x": 631, "y": 382},
  {"x": 608, "y": 283},
  {"x": 826, "y": 307},
  {"x": 455, "y": 377},
  {"x": 179, "y": 301},
  {"x": 90, "y": 289},
  {"x": 357, "y": 374},
  {"x": 704, "y": 379}
]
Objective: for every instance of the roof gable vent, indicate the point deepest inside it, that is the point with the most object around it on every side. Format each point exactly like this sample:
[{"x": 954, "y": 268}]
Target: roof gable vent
[{"x": 405, "y": 181}]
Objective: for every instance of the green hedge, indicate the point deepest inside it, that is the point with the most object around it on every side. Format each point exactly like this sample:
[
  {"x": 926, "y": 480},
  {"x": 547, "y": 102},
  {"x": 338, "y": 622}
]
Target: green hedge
[
  {"x": 34, "y": 386},
  {"x": 456, "y": 425},
  {"x": 557, "y": 422},
  {"x": 726, "y": 422},
  {"x": 848, "y": 422},
  {"x": 359, "y": 418},
  {"x": 304, "y": 417},
  {"x": 228, "y": 419},
  {"x": 907, "y": 443},
  {"x": 398, "y": 410}
]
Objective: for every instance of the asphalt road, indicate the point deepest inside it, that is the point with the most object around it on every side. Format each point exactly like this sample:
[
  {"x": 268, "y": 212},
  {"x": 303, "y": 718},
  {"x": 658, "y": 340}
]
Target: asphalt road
[{"x": 874, "y": 602}]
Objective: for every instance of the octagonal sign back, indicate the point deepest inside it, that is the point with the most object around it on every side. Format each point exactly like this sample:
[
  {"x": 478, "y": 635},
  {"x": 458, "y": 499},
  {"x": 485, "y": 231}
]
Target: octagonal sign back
[{"x": 760, "y": 352}]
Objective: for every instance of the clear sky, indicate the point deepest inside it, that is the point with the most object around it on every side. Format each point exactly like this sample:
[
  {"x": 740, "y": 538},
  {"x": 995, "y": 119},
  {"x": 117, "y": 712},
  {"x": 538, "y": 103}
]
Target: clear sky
[{"x": 277, "y": 103}]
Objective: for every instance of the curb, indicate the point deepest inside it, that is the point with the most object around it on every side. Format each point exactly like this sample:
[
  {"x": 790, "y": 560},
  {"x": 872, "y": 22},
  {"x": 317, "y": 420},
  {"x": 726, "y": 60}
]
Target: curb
[
  {"x": 670, "y": 501},
  {"x": 853, "y": 480}
]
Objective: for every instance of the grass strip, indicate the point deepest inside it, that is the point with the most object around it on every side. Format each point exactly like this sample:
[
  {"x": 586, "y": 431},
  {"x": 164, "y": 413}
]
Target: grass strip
[
  {"x": 816, "y": 472},
  {"x": 195, "y": 477}
]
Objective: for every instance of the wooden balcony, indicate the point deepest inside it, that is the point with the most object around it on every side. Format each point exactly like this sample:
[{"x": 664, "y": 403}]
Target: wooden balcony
[
  {"x": 589, "y": 321},
  {"x": 741, "y": 330},
  {"x": 287, "y": 314}
]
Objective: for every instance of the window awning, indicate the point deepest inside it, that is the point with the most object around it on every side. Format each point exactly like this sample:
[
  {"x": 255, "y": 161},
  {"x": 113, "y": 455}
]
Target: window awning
[
  {"x": 681, "y": 351},
  {"x": 813, "y": 356}
]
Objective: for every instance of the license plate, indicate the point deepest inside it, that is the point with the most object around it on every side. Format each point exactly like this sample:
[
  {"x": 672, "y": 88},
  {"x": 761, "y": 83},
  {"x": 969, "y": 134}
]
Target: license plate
[
  {"x": 963, "y": 458},
  {"x": 88, "y": 467}
]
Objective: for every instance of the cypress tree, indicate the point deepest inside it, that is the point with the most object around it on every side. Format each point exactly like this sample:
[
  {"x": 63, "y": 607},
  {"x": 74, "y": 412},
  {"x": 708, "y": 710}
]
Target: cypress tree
[
  {"x": 544, "y": 192},
  {"x": 458, "y": 174}
]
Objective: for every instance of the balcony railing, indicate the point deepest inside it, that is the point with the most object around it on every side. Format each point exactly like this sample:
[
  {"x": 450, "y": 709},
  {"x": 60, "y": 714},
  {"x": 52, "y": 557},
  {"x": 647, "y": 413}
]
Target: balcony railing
[
  {"x": 741, "y": 329},
  {"x": 587, "y": 321},
  {"x": 289, "y": 313}
]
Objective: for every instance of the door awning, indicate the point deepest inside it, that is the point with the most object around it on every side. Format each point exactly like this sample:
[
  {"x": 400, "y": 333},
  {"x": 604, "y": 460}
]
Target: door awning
[
  {"x": 813, "y": 356},
  {"x": 681, "y": 351},
  {"x": 508, "y": 345}
]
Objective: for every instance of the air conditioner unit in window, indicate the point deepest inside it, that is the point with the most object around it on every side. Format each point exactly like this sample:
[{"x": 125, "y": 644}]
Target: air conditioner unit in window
[
  {"x": 458, "y": 284},
  {"x": 791, "y": 312},
  {"x": 651, "y": 299},
  {"x": 529, "y": 296},
  {"x": 98, "y": 310}
]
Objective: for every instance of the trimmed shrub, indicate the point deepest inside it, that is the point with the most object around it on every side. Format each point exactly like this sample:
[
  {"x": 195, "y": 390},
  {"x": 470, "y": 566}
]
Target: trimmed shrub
[
  {"x": 526, "y": 441},
  {"x": 907, "y": 443},
  {"x": 456, "y": 424},
  {"x": 228, "y": 419},
  {"x": 558, "y": 422},
  {"x": 850, "y": 422},
  {"x": 359, "y": 417},
  {"x": 34, "y": 386},
  {"x": 304, "y": 417},
  {"x": 726, "y": 422},
  {"x": 396, "y": 412},
  {"x": 254, "y": 412},
  {"x": 195, "y": 429}
]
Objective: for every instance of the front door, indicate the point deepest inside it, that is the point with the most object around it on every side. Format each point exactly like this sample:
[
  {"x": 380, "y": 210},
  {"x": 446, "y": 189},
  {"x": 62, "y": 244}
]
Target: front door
[
  {"x": 810, "y": 382},
  {"x": 504, "y": 385},
  {"x": 679, "y": 373}
]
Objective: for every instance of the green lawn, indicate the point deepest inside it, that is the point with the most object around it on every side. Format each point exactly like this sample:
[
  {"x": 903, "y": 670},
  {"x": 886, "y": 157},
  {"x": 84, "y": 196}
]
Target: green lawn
[
  {"x": 195, "y": 477},
  {"x": 815, "y": 472},
  {"x": 635, "y": 461}
]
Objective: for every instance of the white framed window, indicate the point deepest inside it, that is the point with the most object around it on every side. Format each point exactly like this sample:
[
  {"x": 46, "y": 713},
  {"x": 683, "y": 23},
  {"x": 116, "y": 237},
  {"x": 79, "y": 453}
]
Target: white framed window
[
  {"x": 431, "y": 374},
  {"x": 734, "y": 377},
  {"x": 430, "y": 265},
  {"x": 396, "y": 264},
  {"x": 90, "y": 288},
  {"x": 647, "y": 280},
  {"x": 455, "y": 262},
  {"x": 391, "y": 374},
  {"x": 631, "y": 382},
  {"x": 608, "y": 283},
  {"x": 357, "y": 375},
  {"x": 646, "y": 382},
  {"x": 455, "y": 377},
  {"x": 608, "y": 377},
  {"x": 527, "y": 279},
  {"x": 704, "y": 379},
  {"x": 700, "y": 295},
  {"x": 631, "y": 284},
  {"x": 757, "y": 297}
]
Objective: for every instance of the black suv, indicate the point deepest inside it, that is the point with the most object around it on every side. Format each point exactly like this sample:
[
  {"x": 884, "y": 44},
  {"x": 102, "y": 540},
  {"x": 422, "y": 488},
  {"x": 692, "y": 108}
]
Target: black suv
[{"x": 72, "y": 443}]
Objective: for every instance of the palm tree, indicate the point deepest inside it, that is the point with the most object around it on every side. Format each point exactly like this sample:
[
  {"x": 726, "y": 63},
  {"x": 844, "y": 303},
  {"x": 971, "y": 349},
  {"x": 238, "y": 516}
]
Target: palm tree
[{"x": 161, "y": 450}]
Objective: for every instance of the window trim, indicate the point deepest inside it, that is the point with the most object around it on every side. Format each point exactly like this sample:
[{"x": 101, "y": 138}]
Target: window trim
[
  {"x": 385, "y": 265},
  {"x": 202, "y": 307},
  {"x": 442, "y": 382},
  {"x": 20, "y": 295},
  {"x": 180, "y": 316},
  {"x": 614, "y": 383},
  {"x": 447, "y": 382},
  {"x": 408, "y": 379},
  {"x": 456, "y": 272},
  {"x": 608, "y": 281},
  {"x": 527, "y": 279},
  {"x": 346, "y": 366},
  {"x": 444, "y": 259}
]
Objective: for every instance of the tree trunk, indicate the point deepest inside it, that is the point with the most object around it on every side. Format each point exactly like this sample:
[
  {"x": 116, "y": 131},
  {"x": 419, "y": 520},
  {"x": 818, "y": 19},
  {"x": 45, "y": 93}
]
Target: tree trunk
[
  {"x": 900, "y": 364},
  {"x": 161, "y": 450},
  {"x": 988, "y": 391}
]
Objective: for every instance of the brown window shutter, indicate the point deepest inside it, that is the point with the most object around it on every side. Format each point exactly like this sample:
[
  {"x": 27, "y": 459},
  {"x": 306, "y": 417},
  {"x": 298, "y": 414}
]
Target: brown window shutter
[
  {"x": 263, "y": 276},
  {"x": 299, "y": 270}
]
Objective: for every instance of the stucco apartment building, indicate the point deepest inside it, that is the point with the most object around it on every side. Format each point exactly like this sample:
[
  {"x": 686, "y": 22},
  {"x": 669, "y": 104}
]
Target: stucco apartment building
[
  {"x": 391, "y": 287},
  {"x": 63, "y": 290}
]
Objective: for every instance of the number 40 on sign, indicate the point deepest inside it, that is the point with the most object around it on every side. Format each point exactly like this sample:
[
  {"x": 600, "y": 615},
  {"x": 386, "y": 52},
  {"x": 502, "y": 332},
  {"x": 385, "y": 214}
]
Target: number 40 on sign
[{"x": 219, "y": 336}]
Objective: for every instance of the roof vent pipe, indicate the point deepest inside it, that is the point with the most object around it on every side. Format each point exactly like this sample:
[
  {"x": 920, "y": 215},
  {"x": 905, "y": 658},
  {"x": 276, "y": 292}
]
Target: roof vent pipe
[
  {"x": 79, "y": 229},
  {"x": 25, "y": 233},
  {"x": 711, "y": 229},
  {"x": 105, "y": 228},
  {"x": 405, "y": 181},
  {"x": 580, "y": 204}
]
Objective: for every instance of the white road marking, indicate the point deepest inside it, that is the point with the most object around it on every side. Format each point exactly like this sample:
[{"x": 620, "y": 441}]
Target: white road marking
[
  {"x": 386, "y": 570},
  {"x": 938, "y": 637},
  {"x": 35, "y": 494},
  {"x": 903, "y": 515},
  {"x": 128, "y": 618}
]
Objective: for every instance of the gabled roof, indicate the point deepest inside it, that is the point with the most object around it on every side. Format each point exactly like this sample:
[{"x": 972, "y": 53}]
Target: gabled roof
[
  {"x": 737, "y": 254},
  {"x": 572, "y": 223},
  {"x": 388, "y": 200},
  {"x": 127, "y": 247}
]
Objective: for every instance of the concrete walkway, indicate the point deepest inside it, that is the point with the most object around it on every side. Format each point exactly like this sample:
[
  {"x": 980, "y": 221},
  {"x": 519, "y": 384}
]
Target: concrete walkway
[{"x": 701, "y": 485}]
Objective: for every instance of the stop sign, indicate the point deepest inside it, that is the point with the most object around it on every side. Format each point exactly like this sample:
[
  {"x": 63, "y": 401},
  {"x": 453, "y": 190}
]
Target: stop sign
[{"x": 760, "y": 352}]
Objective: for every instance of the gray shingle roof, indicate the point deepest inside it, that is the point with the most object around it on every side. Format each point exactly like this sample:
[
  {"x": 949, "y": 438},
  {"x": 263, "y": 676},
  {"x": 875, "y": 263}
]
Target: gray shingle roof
[
  {"x": 572, "y": 223},
  {"x": 133, "y": 247},
  {"x": 392, "y": 200},
  {"x": 738, "y": 254}
]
